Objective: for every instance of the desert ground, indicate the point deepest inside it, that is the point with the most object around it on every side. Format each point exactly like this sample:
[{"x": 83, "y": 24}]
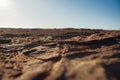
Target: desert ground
[{"x": 59, "y": 54}]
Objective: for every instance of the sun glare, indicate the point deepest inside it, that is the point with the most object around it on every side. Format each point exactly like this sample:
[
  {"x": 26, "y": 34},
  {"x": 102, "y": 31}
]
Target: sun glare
[{"x": 4, "y": 4}]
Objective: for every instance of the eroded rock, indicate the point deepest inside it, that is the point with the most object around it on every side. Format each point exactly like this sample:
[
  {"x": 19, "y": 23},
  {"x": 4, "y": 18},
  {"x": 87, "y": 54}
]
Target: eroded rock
[{"x": 66, "y": 54}]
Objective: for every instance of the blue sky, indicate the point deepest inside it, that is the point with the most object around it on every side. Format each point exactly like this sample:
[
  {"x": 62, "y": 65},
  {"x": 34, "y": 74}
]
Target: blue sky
[{"x": 94, "y": 14}]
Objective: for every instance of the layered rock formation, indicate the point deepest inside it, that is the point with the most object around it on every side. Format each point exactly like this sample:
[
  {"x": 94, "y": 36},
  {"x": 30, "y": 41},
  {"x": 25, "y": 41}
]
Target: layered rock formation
[{"x": 59, "y": 54}]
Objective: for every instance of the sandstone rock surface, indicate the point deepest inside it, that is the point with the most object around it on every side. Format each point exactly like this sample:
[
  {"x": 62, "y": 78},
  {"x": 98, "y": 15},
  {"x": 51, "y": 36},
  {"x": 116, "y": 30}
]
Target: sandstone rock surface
[{"x": 59, "y": 54}]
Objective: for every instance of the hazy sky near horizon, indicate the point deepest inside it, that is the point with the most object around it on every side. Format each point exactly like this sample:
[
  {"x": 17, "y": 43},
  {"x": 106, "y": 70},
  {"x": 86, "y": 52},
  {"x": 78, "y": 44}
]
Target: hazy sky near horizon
[{"x": 94, "y": 14}]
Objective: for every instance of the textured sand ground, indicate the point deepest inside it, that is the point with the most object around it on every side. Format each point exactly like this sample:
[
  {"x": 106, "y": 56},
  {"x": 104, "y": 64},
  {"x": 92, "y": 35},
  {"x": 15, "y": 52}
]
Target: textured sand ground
[{"x": 59, "y": 54}]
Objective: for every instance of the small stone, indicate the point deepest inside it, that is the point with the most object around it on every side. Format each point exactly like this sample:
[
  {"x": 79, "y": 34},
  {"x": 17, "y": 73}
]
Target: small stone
[{"x": 8, "y": 66}]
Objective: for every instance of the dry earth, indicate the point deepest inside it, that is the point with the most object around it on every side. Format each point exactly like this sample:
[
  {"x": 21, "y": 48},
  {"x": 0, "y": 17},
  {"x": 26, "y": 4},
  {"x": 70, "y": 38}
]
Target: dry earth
[{"x": 59, "y": 54}]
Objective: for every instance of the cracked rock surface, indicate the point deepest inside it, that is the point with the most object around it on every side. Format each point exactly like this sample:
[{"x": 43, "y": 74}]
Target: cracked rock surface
[{"x": 59, "y": 54}]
